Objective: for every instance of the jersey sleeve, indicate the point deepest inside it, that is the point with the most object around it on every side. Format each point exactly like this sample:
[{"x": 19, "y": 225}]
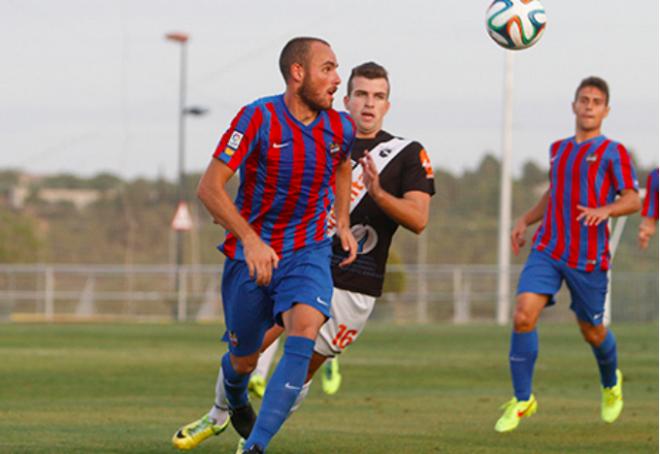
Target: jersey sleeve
[
  {"x": 241, "y": 138},
  {"x": 623, "y": 172},
  {"x": 417, "y": 171},
  {"x": 650, "y": 206}
]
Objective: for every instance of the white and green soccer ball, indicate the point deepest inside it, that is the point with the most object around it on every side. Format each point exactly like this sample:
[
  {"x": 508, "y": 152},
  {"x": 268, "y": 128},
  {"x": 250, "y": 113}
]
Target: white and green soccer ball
[{"x": 515, "y": 24}]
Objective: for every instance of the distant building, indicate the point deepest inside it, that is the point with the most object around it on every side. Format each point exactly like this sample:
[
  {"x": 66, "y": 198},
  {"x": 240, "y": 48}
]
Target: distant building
[{"x": 79, "y": 197}]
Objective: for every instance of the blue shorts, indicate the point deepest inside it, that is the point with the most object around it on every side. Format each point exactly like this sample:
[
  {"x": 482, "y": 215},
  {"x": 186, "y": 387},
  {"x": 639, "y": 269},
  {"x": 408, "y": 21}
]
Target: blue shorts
[
  {"x": 250, "y": 310},
  {"x": 543, "y": 275}
]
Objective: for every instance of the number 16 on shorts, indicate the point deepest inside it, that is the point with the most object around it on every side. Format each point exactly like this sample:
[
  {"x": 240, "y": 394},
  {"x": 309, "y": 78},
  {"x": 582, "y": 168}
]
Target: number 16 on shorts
[{"x": 344, "y": 337}]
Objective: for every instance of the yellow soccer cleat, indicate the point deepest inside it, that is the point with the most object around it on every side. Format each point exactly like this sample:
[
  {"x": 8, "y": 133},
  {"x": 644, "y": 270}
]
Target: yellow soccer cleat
[
  {"x": 331, "y": 378},
  {"x": 241, "y": 446},
  {"x": 257, "y": 385},
  {"x": 514, "y": 411},
  {"x": 612, "y": 400},
  {"x": 191, "y": 435}
]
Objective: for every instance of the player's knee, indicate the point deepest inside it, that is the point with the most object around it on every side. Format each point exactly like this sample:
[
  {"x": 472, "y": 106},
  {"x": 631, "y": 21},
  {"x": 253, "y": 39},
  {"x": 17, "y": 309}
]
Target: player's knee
[
  {"x": 594, "y": 335},
  {"x": 523, "y": 321},
  {"x": 244, "y": 365},
  {"x": 308, "y": 331},
  {"x": 305, "y": 328}
]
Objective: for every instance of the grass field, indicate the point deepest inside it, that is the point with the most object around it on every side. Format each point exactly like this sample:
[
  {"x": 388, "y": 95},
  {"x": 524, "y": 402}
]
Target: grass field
[{"x": 413, "y": 389}]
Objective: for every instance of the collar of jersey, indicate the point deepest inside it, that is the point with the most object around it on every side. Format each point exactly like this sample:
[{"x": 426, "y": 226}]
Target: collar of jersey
[
  {"x": 593, "y": 139},
  {"x": 294, "y": 119}
]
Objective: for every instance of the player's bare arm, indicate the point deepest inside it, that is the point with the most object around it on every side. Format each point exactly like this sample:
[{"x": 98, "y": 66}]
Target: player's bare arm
[
  {"x": 627, "y": 203},
  {"x": 260, "y": 258},
  {"x": 531, "y": 217},
  {"x": 411, "y": 211},
  {"x": 342, "y": 205}
]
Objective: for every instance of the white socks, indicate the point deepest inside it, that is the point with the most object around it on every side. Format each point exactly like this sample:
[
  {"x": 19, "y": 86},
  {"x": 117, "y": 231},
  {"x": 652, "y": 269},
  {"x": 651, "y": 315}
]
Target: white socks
[{"x": 266, "y": 359}]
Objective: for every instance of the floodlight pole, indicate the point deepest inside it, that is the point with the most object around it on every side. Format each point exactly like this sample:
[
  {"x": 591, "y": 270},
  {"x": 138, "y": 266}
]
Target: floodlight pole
[
  {"x": 504, "y": 248},
  {"x": 182, "y": 39}
]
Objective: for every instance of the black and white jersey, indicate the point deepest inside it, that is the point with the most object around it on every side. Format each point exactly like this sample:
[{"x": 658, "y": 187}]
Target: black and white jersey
[{"x": 408, "y": 170}]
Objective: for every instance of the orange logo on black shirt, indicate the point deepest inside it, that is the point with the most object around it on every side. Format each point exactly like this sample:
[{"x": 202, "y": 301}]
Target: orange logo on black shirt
[{"x": 426, "y": 163}]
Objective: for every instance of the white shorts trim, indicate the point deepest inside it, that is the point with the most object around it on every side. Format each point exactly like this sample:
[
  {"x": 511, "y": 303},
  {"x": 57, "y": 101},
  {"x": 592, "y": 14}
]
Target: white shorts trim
[{"x": 350, "y": 312}]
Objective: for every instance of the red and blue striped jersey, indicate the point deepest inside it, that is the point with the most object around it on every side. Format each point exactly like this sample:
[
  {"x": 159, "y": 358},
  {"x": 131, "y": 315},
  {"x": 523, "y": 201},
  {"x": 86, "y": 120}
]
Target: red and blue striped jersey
[
  {"x": 650, "y": 207},
  {"x": 287, "y": 172},
  {"x": 590, "y": 174}
]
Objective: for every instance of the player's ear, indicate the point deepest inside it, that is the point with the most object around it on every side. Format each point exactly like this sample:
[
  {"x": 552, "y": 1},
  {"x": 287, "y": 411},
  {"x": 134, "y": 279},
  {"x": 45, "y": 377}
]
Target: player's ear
[
  {"x": 346, "y": 99},
  {"x": 387, "y": 107},
  {"x": 573, "y": 107},
  {"x": 297, "y": 72}
]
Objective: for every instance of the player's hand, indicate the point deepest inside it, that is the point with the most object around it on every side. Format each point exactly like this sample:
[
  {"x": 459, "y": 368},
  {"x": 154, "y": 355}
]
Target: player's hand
[
  {"x": 370, "y": 175},
  {"x": 348, "y": 244},
  {"x": 518, "y": 235},
  {"x": 261, "y": 259},
  {"x": 593, "y": 216},
  {"x": 646, "y": 231}
]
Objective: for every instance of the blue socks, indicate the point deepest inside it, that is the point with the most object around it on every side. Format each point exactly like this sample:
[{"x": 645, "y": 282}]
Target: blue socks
[
  {"x": 282, "y": 390},
  {"x": 522, "y": 356},
  {"x": 605, "y": 355},
  {"x": 235, "y": 384}
]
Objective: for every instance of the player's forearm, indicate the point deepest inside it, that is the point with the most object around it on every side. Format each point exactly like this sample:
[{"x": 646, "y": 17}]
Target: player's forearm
[
  {"x": 628, "y": 203},
  {"x": 343, "y": 194},
  {"x": 411, "y": 214},
  {"x": 536, "y": 213}
]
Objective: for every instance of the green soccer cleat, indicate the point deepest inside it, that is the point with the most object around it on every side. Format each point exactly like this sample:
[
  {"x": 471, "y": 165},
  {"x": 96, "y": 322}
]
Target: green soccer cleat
[
  {"x": 331, "y": 378},
  {"x": 241, "y": 446},
  {"x": 257, "y": 385},
  {"x": 514, "y": 411},
  {"x": 612, "y": 400},
  {"x": 191, "y": 435}
]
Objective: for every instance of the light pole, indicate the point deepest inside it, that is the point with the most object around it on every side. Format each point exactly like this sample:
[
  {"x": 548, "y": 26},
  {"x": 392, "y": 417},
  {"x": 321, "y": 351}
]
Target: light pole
[
  {"x": 182, "y": 208},
  {"x": 504, "y": 248}
]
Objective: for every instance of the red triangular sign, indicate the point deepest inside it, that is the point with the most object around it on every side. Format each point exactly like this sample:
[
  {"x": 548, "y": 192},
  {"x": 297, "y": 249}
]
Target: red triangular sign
[{"x": 182, "y": 219}]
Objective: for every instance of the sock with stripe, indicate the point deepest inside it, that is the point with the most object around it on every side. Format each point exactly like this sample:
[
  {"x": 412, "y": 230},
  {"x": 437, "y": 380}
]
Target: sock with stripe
[
  {"x": 282, "y": 390},
  {"x": 606, "y": 357},
  {"x": 235, "y": 384},
  {"x": 522, "y": 356}
]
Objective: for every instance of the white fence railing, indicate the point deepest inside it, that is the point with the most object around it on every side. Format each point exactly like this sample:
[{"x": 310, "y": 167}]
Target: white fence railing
[{"x": 457, "y": 293}]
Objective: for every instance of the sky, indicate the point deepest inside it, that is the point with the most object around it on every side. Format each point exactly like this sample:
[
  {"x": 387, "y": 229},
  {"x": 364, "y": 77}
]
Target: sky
[{"x": 91, "y": 86}]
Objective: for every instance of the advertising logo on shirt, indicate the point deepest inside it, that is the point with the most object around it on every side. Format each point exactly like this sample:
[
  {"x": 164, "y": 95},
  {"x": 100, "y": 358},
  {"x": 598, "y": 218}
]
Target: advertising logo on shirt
[
  {"x": 366, "y": 238},
  {"x": 426, "y": 163}
]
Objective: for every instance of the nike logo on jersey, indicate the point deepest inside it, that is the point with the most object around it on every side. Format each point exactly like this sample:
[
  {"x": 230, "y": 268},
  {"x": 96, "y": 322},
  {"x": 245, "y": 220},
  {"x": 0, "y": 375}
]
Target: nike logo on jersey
[
  {"x": 320, "y": 301},
  {"x": 281, "y": 145},
  {"x": 288, "y": 385}
]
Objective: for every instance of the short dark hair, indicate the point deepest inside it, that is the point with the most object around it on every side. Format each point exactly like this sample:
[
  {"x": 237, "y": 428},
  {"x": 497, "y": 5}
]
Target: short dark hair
[
  {"x": 369, "y": 70},
  {"x": 595, "y": 82},
  {"x": 296, "y": 51}
]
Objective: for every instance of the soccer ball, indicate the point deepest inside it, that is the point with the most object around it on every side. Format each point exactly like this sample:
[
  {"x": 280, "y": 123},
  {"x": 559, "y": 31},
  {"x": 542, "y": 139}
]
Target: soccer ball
[{"x": 515, "y": 24}]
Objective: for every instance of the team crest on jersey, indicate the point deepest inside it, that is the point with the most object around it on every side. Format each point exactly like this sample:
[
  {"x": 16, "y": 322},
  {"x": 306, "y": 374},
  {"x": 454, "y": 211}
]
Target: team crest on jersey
[
  {"x": 426, "y": 163},
  {"x": 235, "y": 140},
  {"x": 233, "y": 339},
  {"x": 334, "y": 148}
]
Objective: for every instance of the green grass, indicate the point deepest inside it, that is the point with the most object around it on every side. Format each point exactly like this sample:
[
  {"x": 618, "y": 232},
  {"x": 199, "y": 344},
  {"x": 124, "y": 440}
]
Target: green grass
[{"x": 413, "y": 389}]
